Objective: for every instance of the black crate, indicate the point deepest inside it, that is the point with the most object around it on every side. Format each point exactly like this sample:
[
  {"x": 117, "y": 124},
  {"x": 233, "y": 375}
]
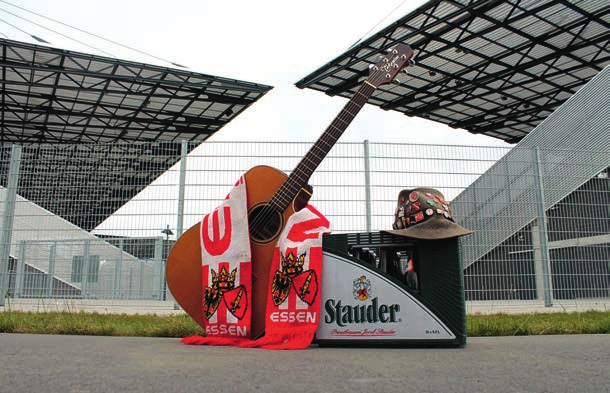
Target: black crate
[{"x": 437, "y": 264}]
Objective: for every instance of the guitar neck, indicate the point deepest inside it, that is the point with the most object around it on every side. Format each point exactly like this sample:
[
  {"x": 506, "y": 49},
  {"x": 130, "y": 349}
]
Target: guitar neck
[{"x": 310, "y": 162}]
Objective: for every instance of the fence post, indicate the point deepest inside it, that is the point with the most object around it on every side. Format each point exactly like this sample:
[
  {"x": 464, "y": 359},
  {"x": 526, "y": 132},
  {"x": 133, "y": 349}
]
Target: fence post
[
  {"x": 540, "y": 234},
  {"x": 180, "y": 218},
  {"x": 51, "y": 270},
  {"x": 181, "y": 186},
  {"x": 19, "y": 276},
  {"x": 141, "y": 281},
  {"x": 8, "y": 216},
  {"x": 159, "y": 259},
  {"x": 85, "y": 280},
  {"x": 367, "y": 185},
  {"x": 118, "y": 270}
]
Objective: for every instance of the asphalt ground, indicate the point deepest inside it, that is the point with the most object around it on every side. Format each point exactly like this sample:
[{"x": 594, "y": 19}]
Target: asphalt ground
[{"x": 85, "y": 364}]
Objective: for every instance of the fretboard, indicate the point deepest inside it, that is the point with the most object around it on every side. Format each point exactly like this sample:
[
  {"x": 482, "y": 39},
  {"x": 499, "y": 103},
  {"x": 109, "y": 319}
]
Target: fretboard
[{"x": 310, "y": 162}]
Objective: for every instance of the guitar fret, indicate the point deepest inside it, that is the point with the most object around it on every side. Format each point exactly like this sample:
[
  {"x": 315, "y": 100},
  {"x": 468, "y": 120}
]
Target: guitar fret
[{"x": 310, "y": 162}]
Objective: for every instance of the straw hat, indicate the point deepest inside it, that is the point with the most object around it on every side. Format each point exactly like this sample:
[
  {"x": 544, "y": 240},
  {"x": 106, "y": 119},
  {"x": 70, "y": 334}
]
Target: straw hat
[{"x": 423, "y": 213}]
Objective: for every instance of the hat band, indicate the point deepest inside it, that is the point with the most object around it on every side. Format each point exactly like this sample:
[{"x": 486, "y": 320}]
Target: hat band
[{"x": 420, "y": 216}]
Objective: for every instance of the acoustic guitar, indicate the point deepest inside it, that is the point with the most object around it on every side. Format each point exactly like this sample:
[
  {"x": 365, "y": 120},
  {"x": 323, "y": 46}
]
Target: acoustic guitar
[{"x": 272, "y": 197}]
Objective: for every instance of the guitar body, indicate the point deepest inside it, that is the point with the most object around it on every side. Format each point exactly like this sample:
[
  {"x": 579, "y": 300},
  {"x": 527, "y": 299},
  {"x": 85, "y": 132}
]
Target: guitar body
[{"x": 183, "y": 270}]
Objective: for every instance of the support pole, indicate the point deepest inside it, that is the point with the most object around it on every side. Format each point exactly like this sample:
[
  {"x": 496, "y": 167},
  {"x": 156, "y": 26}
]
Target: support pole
[
  {"x": 540, "y": 239},
  {"x": 367, "y": 185},
  {"x": 85, "y": 284},
  {"x": 180, "y": 219},
  {"x": 159, "y": 260},
  {"x": 118, "y": 271},
  {"x": 181, "y": 187},
  {"x": 19, "y": 277},
  {"x": 51, "y": 270},
  {"x": 8, "y": 215}
]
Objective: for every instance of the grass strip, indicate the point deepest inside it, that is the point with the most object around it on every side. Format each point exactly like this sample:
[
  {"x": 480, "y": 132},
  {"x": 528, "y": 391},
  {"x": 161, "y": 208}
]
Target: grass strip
[
  {"x": 589, "y": 322},
  {"x": 95, "y": 324}
]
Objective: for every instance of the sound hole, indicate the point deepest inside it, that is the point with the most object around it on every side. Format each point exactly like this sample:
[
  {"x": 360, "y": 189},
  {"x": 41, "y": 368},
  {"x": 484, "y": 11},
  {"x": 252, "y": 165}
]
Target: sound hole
[{"x": 265, "y": 223}]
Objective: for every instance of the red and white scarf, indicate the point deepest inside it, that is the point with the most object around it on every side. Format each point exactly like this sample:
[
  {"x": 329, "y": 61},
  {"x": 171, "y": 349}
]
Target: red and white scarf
[{"x": 293, "y": 299}]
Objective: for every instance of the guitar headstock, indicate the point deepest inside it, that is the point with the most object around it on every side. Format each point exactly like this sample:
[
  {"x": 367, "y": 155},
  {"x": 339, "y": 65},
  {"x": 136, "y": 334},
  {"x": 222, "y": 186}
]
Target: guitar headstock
[{"x": 390, "y": 65}]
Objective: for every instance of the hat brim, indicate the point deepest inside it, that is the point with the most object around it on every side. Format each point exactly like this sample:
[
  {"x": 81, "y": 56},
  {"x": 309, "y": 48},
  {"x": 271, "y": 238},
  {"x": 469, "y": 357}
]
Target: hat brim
[{"x": 432, "y": 230}]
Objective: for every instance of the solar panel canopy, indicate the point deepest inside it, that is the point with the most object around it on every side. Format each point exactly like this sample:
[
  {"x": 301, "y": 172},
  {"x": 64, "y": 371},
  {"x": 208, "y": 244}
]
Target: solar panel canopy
[
  {"x": 86, "y": 124},
  {"x": 56, "y": 96},
  {"x": 492, "y": 67}
]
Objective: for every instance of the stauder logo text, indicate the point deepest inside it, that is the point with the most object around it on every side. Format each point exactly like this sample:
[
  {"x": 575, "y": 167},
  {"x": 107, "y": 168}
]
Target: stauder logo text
[{"x": 366, "y": 313}]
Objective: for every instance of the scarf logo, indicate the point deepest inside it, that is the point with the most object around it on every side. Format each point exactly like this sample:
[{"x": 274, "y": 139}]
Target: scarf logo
[
  {"x": 305, "y": 283},
  {"x": 223, "y": 288}
]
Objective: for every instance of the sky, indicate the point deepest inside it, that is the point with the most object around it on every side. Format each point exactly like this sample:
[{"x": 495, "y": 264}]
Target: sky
[{"x": 271, "y": 42}]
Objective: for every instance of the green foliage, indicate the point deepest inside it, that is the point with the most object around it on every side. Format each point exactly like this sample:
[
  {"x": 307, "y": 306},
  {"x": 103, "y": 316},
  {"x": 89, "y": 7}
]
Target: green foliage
[{"x": 82, "y": 323}]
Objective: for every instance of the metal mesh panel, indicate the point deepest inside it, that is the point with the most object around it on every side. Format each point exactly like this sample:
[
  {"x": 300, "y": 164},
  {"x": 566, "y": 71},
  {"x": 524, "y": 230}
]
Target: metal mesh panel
[
  {"x": 564, "y": 152},
  {"x": 490, "y": 204}
]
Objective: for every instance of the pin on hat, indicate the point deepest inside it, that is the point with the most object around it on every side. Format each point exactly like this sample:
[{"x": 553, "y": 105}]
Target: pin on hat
[{"x": 423, "y": 213}]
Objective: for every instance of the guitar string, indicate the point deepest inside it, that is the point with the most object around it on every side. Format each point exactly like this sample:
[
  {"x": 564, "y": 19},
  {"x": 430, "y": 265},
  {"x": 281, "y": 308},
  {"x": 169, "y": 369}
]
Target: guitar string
[
  {"x": 299, "y": 177},
  {"x": 317, "y": 151},
  {"x": 316, "y": 155},
  {"x": 328, "y": 135},
  {"x": 283, "y": 195},
  {"x": 281, "y": 200},
  {"x": 290, "y": 187},
  {"x": 349, "y": 119}
]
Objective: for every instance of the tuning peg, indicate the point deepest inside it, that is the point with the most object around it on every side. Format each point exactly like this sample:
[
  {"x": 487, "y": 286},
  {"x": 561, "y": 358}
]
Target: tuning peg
[
  {"x": 396, "y": 82},
  {"x": 411, "y": 62}
]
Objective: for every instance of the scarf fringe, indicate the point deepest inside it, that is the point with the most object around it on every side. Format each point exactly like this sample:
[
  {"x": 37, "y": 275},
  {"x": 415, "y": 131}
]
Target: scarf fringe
[
  {"x": 200, "y": 340},
  {"x": 281, "y": 340},
  {"x": 287, "y": 340},
  {"x": 294, "y": 340}
]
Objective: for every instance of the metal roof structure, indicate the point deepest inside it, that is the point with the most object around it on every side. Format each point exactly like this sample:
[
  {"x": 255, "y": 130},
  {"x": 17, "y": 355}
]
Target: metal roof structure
[
  {"x": 492, "y": 67},
  {"x": 82, "y": 119},
  {"x": 57, "y": 96}
]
